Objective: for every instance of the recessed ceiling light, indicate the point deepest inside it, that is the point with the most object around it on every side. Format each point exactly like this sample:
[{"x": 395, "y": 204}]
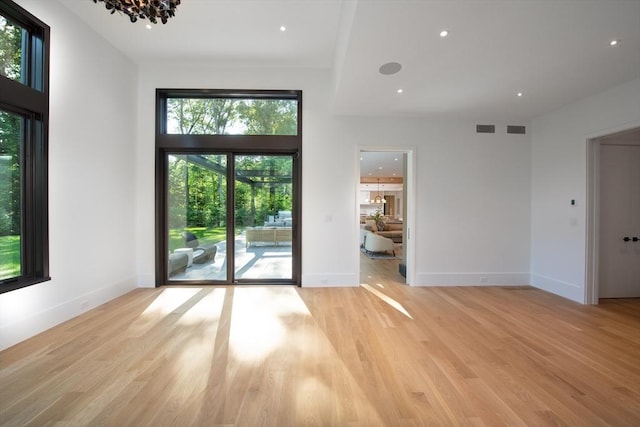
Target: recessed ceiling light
[
  {"x": 360, "y": 158},
  {"x": 394, "y": 174},
  {"x": 379, "y": 167},
  {"x": 369, "y": 173},
  {"x": 396, "y": 159},
  {"x": 400, "y": 90},
  {"x": 148, "y": 26},
  {"x": 519, "y": 94},
  {"x": 283, "y": 28},
  {"x": 444, "y": 33},
  {"x": 390, "y": 68},
  {"x": 614, "y": 42}
]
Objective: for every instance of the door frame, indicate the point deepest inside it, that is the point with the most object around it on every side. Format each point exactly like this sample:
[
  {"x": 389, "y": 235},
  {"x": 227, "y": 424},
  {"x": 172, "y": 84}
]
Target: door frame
[
  {"x": 296, "y": 247},
  {"x": 592, "y": 288},
  {"x": 162, "y": 226},
  {"x": 409, "y": 244},
  {"x": 166, "y": 143}
]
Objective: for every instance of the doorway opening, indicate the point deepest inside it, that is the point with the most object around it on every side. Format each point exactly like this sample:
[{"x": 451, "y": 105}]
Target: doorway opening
[
  {"x": 613, "y": 216},
  {"x": 385, "y": 215}
]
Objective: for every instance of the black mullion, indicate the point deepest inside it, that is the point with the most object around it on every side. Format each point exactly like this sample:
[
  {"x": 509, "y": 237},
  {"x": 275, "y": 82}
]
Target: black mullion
[
  {"x": 161, "y": 230},
  {"x": 297, "y": 218},
  {"x": 231, "y": 218}
]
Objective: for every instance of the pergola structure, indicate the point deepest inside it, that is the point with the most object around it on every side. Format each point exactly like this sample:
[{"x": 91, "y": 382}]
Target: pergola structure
[{"x": 253, "y": 177}]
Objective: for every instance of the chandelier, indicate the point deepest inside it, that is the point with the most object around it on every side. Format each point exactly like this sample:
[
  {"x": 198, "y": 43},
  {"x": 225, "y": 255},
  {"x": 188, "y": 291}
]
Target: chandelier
[{"x": 153, "y": 10}]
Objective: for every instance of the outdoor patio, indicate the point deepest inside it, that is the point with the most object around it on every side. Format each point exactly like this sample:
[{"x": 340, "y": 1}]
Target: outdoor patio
[{"x": 259, "y": 261}]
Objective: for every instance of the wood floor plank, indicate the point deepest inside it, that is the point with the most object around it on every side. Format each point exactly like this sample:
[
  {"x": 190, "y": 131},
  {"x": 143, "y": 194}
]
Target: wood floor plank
[{"x": 382, "y": 354}]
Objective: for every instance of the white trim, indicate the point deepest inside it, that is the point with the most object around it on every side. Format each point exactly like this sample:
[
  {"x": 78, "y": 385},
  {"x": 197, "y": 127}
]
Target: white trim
[
  {"x": 409, "y": 245},
  {"x": 591, "y": 287},
  {"x": 474, "y": 279},
  {"x": 572, "y": 291},
  {"x": 329, "y": 281}
]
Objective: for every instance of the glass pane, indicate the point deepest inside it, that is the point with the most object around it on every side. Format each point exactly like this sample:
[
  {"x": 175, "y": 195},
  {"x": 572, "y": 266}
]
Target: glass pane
[
  {"x": 197, "y": 216},
  {"x": 263, "y": 220},
  {"x": 219, "y": 116},
  {"x": 11, "y": 137},
  {"x": 11, "y": 43}
]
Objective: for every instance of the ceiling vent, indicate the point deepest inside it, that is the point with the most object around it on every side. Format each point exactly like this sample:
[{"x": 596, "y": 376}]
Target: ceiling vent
[
  {"x": 516, "y": 129},
  {"x": 485, "y": 128}
]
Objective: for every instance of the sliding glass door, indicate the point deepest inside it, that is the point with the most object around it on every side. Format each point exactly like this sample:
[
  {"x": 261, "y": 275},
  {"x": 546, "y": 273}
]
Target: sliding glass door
[
  {"x": 263, "y": 217},
  {"x": 261, "y": 213},
  {"x": 196, "y": 216}
]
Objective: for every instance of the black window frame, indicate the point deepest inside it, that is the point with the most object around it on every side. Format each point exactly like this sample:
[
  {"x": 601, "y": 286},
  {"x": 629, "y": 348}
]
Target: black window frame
[
  {"x": 231, "y": 145},
  {"x": 30, "y": 99}
]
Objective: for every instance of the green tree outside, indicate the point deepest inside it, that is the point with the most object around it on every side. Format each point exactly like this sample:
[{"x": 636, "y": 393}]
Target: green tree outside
[
  {"x": 10, "y": 141},
  {"x": 197, "y": 183}
]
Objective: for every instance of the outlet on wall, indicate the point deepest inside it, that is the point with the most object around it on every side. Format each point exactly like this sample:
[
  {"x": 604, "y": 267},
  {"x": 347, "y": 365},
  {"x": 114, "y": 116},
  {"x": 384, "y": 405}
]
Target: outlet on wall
[
  {"x": 84, "y": 305},
  {"x": 484, "y": 280}
]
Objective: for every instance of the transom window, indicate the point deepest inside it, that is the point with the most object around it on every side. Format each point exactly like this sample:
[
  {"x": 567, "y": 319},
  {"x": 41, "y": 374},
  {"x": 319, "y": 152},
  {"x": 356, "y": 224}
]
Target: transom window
[{"x": 229, "y": 116}]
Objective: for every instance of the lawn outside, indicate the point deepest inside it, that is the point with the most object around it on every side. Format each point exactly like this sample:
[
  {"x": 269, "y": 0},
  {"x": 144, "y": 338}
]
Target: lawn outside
[
  {"x": 9, "y": 256},
  {"x": 205, "y": 235}
]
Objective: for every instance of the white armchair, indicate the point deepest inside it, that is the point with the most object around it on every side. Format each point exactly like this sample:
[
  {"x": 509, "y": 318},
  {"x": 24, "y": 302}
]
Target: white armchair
[{"x": 376, "y": 243}]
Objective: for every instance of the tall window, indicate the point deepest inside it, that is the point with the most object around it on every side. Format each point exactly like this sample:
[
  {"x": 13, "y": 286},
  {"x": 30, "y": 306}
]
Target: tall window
[
  {"x": 228, "y": 186},
  {"x": 24, "y": 113}
]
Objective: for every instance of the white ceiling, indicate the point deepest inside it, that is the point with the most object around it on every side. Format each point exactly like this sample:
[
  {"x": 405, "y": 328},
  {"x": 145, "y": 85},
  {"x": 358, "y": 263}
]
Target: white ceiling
[
  {"x": 226, "y": 32},
  {"x": 553, "y": 51},
  {"x": 378, "y": 164}
]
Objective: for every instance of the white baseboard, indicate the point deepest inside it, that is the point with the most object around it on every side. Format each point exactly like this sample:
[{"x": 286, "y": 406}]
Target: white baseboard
[
  {"x": 23, "y": 328},
  {"x": 472, "y": 279},
  {"x": 571, "y": 291},
  {"x": 147, "y": 281},
  {"x": 329, "y": 280}
]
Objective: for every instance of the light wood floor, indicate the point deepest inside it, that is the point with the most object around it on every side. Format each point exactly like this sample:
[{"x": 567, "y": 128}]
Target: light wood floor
[{"x": 380, "y": 354}]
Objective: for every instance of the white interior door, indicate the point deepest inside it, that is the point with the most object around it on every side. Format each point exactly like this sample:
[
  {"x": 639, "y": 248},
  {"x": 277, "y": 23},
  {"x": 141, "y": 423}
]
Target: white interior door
[{"x": 619, "y": 247}]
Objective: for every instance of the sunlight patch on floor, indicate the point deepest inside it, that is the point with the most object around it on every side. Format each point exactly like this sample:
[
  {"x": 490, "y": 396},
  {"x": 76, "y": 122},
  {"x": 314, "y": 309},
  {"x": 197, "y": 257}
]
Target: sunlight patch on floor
[
  {"x": 169, "y": 300},
  {"x": 328, "y": 390},
  {"x": 258, "y": 320},
  {"x": 393, "y": 303},
  {"x": 208, "y": 309}
]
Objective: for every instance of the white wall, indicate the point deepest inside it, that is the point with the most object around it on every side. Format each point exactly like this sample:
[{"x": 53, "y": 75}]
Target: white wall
[
  {"x": 91, "y": 180},
  {"x": 473, "y": 191},
  {"x": 472, "y": 197},
  {"x": 559, "y": 174}
]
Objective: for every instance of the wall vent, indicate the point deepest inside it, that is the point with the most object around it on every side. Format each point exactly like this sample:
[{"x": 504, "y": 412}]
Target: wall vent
[
  {"x": 516, "y": 129},
  {"x": 485, "y": 128}
]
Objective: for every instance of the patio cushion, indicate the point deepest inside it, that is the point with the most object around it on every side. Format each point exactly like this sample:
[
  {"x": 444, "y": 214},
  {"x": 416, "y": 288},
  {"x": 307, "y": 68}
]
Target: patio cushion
[
  {"x": 201, "y": 253},
  {"x": 177, "y": 262}
]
